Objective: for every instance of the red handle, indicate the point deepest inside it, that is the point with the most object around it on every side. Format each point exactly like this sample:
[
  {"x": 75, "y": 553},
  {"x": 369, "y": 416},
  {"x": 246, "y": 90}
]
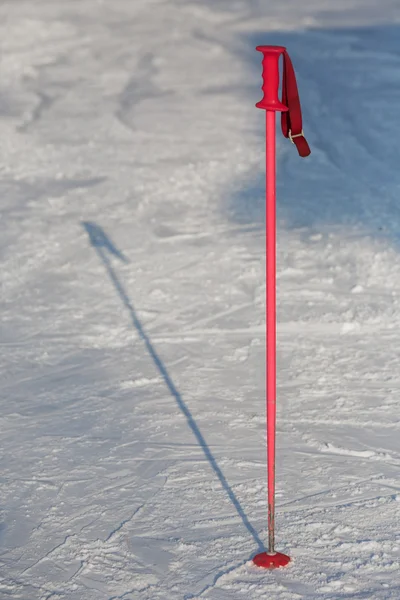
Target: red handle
[{"x": 270, "y": 75}]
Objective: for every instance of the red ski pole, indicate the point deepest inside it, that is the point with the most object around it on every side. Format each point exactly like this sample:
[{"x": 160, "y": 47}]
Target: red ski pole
[{"x": 291, "y": 128}]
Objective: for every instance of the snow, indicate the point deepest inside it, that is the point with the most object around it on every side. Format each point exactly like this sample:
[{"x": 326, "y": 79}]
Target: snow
[{"x": 132, "y": 301}]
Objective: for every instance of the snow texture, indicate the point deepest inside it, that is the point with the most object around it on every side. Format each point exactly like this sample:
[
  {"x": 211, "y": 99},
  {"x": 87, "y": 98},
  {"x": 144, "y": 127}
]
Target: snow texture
[{"x": 133, "y": 294}]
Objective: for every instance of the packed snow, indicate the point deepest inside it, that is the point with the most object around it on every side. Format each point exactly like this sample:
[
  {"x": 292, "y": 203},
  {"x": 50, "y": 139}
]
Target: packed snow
[{"x": 132, "y": 243}]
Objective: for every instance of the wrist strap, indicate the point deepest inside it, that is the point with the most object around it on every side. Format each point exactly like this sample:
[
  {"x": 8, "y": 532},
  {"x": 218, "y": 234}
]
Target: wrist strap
[{"x": 291, "y": 120}]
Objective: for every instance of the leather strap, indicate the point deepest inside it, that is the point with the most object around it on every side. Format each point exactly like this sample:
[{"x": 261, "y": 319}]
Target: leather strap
[{"x": 291, "y": 120}]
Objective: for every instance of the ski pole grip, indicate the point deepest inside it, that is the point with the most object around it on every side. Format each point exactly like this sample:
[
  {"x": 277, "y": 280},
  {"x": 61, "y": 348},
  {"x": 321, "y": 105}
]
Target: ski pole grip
[{"x": 270, "y": 75}]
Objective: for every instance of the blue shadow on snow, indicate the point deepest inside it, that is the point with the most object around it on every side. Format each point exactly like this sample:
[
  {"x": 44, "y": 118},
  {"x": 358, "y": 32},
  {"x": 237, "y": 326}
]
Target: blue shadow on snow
[{"x": 349, "y": 84}]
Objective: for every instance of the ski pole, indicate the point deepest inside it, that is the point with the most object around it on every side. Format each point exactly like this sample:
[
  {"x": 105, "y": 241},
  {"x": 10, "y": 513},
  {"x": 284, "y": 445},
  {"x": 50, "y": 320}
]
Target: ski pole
[{"x": 292, "y": 128}]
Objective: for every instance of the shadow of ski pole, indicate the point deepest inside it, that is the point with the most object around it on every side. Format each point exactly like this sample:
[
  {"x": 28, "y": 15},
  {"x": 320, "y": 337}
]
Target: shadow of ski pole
[{"x": 102, "y": 244}]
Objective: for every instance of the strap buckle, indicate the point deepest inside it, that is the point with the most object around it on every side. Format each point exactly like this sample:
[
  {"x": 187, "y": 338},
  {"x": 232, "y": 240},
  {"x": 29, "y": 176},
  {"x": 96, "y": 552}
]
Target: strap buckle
[{"x": 296, "y": 135}]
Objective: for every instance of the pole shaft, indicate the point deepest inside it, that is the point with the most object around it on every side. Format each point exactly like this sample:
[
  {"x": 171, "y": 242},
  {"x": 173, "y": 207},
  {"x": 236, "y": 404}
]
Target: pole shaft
[{"x": 271, "y": 318}]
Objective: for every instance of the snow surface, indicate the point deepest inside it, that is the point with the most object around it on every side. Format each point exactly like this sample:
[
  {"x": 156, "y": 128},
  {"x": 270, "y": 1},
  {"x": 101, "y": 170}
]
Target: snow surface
[{"x": 132, "y": 301}]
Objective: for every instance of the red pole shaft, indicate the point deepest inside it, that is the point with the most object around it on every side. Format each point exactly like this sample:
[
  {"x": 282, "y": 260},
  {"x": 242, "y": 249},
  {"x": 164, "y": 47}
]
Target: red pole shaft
[{"x": 271, "y": 318}]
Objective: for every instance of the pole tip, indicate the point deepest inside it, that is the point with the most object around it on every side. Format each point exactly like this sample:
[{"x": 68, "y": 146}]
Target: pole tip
[{"x": 271, "y": 561}]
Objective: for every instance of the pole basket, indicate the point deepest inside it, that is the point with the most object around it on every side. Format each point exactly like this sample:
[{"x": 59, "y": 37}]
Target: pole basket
[{"x": 271, "y": 561}]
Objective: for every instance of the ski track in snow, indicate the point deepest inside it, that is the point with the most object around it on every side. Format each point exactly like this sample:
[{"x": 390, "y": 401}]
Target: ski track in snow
[{"x": 132, "y": 291}]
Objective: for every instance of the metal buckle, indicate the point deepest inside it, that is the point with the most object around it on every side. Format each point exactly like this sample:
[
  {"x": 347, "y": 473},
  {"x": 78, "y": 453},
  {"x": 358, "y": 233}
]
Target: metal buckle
[{"x": 296, "y": 135}]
